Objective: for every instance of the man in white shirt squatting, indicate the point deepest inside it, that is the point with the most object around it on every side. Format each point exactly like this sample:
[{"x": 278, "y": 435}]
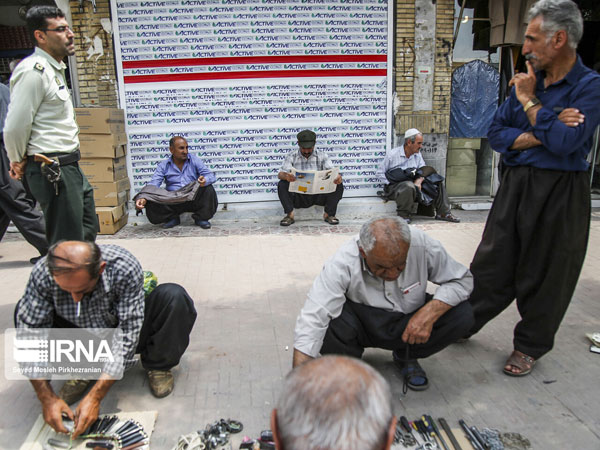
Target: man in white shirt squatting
[{"x": 372, "y": 293}]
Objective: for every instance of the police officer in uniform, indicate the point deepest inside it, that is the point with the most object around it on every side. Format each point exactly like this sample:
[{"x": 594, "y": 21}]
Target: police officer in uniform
[{"x": 41, "y": 120}]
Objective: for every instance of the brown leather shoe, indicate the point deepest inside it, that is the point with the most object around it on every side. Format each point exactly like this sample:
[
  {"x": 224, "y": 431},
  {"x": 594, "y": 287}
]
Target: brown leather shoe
[
  {"x": 161, "y": 382},
  {"x": 73, "y": 390}
]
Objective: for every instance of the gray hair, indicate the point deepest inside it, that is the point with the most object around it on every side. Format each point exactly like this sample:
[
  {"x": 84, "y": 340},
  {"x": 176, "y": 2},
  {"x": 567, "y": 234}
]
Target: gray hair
[
  {"x": 334, "y": 402},
  {"x": 559, "y": 15},
  {"x": 396, "y": 231}
]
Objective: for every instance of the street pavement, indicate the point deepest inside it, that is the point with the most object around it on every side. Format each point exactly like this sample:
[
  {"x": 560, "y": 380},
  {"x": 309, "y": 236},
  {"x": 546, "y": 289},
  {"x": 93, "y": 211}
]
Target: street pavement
[{"x": 249, "y": 278}]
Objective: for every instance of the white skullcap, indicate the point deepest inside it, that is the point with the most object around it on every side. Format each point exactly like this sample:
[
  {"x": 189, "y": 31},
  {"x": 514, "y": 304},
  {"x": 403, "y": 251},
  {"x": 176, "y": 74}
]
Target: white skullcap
[{"x": 411, "y": 132}]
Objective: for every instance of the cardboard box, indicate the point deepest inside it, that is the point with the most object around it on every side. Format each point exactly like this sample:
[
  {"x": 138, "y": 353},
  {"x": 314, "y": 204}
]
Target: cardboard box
[
  {"x": 460, "y": 180},
  {"x": 473, "y": 143},
  {"x": 100, "y": 120},
  {"x": 102, "y": 145},
  {"x": 461, "y": 157},
  {"x": 111, "y": 194},
  {"x": 112, "y": 219},
  {"x": 104, "y": 169}
]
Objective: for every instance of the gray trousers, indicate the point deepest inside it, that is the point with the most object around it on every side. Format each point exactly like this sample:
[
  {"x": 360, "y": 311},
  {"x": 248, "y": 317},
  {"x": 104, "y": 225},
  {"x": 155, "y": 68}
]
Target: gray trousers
[
  {"x": 405, "y": 196},
  {"x": 18, "y": 205}
]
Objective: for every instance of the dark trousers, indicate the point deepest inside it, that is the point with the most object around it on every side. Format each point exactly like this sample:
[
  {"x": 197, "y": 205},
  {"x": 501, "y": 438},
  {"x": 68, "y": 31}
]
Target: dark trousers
[
  {"x": 70, "y": 215},
  {"x": 169, "y": 317},
  {"x": 290, "y": 200},
  {"x": 361, "y": 326},
  {"x": 18, "y": 205},
  {"x": 203, "y": 207},
  {"x": 533, "y": 247},
  {"x": 405, "y": 196}
]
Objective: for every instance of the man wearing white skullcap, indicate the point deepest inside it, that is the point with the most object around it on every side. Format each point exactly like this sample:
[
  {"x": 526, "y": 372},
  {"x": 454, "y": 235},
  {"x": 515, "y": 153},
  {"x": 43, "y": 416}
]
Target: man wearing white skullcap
[{"x": 405, "y": 189}]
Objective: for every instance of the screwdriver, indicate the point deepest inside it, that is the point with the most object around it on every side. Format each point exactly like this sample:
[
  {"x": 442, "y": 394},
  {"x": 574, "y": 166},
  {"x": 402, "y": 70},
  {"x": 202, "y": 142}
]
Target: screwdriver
[
  {"x": 436, "y": 431},
  {"x": 406, "y": 427}
]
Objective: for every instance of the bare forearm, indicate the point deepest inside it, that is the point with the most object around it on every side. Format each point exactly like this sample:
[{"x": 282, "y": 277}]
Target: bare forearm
[
  {"x": 524, "y": 141},
  {"x": 43, "y": 390},
  {"x": 101, "y": 388},
  {"x": 300, "y": 358}
]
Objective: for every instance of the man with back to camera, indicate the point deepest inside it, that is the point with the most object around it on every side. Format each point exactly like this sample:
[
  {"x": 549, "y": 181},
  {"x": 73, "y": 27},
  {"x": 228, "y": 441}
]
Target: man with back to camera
[
  {"x": 16, "y": 204},
  {"x": 83, "y": 285},
  {"x": 406, "y": 193},
  {"x": 372, "y": 293},
  {"x": 307, "y": 158},
  {"x": 333, "y": 403},
  {"x": 41, "y": 121},
  {"x": 536, "y": 234},
  {"x": 189, "y": 183}
]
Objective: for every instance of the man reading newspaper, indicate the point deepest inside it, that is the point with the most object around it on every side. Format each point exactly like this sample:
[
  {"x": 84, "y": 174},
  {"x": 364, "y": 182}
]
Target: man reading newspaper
[{"x": 296, "y": 192}]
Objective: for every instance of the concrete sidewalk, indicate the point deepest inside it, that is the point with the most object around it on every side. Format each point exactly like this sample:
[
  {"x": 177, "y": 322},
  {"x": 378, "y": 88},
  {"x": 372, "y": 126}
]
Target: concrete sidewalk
[{"x": 248, "y": 288}]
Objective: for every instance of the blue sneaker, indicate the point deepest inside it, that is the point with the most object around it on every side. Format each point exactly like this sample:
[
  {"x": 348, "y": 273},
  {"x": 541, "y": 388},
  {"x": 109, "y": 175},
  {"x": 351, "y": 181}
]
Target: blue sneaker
[
  {"x": 171, "y": 223},
  {"x": 204, "y": 224}
]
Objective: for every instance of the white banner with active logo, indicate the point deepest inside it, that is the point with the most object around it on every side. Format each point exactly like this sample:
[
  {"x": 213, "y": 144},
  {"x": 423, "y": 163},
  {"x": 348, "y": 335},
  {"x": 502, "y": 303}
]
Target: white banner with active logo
[{"x": 239, "y": 79}]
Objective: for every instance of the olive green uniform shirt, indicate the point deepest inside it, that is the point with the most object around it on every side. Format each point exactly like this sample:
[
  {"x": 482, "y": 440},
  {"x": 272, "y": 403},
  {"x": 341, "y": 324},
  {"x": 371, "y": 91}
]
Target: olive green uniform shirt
[{"x": 40, "y": 118}]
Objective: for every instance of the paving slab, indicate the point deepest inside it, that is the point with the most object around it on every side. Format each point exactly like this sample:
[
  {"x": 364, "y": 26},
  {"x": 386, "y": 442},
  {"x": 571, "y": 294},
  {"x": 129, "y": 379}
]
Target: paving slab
[{"x": 249, "y": 278}]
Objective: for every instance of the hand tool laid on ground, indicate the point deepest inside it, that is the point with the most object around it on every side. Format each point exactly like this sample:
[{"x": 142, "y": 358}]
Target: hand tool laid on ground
[
  {"x": 436, "y": 431},
  {"x": 403, "y": 433},
  {"x": 449, "y": 433},
  {"x": 474, "y": 442}
]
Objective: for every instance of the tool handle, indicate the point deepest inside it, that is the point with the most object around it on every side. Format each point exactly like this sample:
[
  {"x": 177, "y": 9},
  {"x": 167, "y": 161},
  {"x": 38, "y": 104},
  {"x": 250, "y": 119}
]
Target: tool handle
[
  {"x": 405, "y": 425},
  {"x": 39, "y": 157},
  {"x": 436, "y": 430},
  {"x": 449, "y": 432}
]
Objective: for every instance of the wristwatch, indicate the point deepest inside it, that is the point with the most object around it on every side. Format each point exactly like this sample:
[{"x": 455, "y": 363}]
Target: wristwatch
[{"x": 531, "y": 103}]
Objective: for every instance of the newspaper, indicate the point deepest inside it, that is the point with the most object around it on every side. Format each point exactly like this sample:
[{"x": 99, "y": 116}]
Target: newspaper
[{"x": 314, "y": 181}]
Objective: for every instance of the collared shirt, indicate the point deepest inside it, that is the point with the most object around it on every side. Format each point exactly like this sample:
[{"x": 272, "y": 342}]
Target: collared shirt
[
  {"x": 318, "y": 160},
  {"x": 396, "y": 158},
  {"x": 41, "y": 118},
  {"x": 175, "y": 178},
  {"x": 117, "y": 300},
  {"x": 345, "y": 277},
  {"x": 563, "y": 147}
]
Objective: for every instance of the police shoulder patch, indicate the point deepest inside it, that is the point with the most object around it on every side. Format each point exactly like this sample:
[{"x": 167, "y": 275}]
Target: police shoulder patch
[{"x": 39, "y": 67}]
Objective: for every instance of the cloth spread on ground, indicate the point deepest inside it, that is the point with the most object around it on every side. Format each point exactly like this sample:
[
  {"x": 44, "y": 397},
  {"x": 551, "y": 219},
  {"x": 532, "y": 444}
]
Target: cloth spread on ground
[
  {"x": 41, "y": 432},
  {"x": 160, "y": 195}
]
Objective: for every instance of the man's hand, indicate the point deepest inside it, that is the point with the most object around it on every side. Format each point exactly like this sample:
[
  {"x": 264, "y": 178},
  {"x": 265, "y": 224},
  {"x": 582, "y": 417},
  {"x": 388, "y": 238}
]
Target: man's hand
[
  {"x": 85, "y": 414},
  {"x": 418, "y": 182},
  {"x": 524, "y": 84},
  {"x": 300, "y": 358},
  {"x": 571, "y": 117},
  {"x": 17, "y": 169},
  {"x": 140, "y": 203},
  {"x": 52, "y": 410},
  {"x": 201, "y": 180},
  {"x": 87, "y": 411},
  {"x": 421, "y": 323},
  {"x": 338, "y": 179},
  {"x": 286, "y": 176}
]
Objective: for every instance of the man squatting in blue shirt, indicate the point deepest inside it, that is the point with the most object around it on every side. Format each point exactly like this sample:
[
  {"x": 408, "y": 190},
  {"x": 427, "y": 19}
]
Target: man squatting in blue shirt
[
  {"x": 536, "y": 234},
  {"x": 178, "y": 171}
]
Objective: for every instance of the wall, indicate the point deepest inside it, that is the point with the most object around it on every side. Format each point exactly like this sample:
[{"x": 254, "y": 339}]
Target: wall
[
  {"x": 413, "y": 52},
  {"x": 95, "y": 58}
]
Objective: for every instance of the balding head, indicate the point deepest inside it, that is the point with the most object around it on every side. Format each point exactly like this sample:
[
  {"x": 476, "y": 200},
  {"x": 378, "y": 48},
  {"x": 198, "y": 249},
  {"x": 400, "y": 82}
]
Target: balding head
[
  {"x": 76, "y": 267},
  {"x": 334, "y": 402},
  {"x": 69, "y": 256}
]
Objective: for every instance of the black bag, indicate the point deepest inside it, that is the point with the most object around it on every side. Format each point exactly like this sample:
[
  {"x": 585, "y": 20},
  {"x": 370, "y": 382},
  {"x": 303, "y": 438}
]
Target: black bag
[{"x": 398, "y": 175}]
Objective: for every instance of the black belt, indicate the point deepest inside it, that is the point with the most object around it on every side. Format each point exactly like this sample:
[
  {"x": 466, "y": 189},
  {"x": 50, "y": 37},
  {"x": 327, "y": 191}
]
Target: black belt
[{"x": 64, "y": 159}]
